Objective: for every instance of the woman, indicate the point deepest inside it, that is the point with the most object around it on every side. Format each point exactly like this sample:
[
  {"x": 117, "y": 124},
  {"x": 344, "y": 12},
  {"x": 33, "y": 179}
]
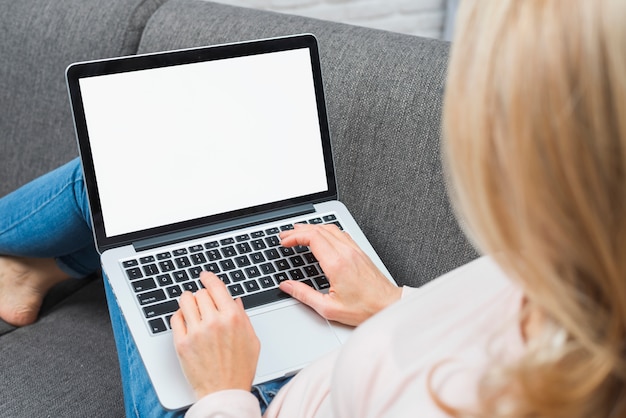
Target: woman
[{"x": 536, "y": 154}]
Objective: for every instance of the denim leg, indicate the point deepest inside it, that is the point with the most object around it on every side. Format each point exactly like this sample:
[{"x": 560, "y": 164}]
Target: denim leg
[
  {"x": 49, "y": 217},
  {"x": 265, "y": 392},
  {"x": 140, "y": 399}
]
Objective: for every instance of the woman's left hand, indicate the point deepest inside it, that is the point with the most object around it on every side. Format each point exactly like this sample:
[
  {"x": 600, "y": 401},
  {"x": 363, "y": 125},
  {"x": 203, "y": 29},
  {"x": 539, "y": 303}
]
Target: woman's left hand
[{"x": 216, "y": 344}]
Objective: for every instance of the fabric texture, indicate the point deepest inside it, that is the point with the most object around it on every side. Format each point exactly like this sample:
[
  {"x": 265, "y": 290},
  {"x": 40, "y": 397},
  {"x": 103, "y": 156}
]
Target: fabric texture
[
  {"x": 384, "y": 96},
  {"x": 384, "y": 93},
  {"x": 64, "y": 365},
  {"x": 443, "y": 336},
  {"x": 39, "y": 39}
]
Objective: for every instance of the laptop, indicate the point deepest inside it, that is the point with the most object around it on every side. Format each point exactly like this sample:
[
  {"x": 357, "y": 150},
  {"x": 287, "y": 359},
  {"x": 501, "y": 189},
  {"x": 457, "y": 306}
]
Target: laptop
[{"x": 196, "y": 160}]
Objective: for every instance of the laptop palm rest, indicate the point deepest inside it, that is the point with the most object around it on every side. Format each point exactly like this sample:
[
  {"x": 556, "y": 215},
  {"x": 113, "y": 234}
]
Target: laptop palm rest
[{"x": 290, "y": 338}]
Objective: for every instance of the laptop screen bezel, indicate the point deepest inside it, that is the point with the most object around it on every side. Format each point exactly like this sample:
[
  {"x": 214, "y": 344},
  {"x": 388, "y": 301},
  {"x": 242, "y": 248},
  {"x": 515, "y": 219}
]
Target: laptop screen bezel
[{"x": 77, "y": 71}]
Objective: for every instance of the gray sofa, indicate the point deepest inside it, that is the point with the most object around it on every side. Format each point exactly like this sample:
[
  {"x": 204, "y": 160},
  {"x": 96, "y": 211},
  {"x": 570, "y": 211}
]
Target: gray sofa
[{"x": 384, "y": 96}]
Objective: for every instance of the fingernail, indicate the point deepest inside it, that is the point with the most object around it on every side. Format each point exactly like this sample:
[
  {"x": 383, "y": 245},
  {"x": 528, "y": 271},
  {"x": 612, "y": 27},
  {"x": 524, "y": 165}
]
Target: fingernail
[{"x": 286, "y": 287}]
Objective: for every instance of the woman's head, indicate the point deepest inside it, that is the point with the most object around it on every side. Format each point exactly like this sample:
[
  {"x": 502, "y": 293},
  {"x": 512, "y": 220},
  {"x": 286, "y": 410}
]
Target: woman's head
[{"x": 535, "y": 149}]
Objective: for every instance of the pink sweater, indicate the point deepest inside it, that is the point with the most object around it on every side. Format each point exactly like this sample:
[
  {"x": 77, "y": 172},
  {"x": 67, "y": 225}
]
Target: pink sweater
[{"x": 453, "y": 327}]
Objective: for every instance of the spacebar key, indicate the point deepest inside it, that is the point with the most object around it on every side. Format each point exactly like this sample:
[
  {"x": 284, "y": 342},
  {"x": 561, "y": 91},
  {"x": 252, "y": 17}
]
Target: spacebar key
[
  {"x": 160, "y": 308},
  {"x": 262, "y": 298}
]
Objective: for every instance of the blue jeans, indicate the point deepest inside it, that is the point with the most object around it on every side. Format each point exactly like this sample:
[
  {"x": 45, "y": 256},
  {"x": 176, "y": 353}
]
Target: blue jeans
[{"x": 49, "y": 218}]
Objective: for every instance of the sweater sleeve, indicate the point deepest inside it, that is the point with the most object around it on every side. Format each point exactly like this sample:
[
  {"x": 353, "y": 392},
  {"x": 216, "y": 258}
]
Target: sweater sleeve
[{"x": 233, "y": 403}]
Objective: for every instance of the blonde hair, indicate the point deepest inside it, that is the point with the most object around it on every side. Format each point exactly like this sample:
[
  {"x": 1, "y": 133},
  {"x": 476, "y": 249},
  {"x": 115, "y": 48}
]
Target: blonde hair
[{"x": 535, "y": 152}]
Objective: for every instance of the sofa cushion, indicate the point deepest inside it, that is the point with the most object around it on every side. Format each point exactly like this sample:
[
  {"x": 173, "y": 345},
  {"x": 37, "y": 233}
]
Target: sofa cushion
[
  {"x": 64, "y": 365},
  {"x": 384, "y": 95},
  {"x": 38, "y": 40}
]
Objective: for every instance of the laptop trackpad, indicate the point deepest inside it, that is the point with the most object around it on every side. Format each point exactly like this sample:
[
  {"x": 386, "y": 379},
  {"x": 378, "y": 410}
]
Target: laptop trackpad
[{"x": 291, "y": 337}]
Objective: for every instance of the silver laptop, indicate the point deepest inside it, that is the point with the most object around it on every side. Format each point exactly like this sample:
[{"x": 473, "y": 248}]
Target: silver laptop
[{"x": 196, "y": 160}]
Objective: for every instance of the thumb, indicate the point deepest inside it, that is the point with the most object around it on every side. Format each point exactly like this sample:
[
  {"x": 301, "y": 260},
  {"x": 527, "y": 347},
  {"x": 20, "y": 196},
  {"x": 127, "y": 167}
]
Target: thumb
[{"x": 304, "y": 293}]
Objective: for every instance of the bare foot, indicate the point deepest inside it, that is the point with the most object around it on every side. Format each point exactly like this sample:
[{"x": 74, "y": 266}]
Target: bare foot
[{"x": 23, "y": 284}]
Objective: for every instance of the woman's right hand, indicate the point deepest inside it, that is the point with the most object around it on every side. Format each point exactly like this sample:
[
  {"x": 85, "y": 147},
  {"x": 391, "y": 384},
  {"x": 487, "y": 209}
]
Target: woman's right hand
[{"x": 358, "y": 289}]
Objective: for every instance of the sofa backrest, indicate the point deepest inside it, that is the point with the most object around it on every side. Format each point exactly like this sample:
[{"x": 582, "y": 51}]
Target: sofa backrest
[
  {"x": 38, "y": 40},
  {"x": 384, "y": 96}
]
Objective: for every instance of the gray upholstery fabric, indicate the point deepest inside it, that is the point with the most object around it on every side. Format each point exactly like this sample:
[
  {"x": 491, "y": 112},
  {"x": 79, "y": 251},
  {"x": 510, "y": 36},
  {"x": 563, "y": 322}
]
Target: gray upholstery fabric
[
  {"x": 64, "y": 365},
  {"x": 38, "y": 40},
  {"x": 384, "y": 94},
  {"x": 53, "y": 367}
]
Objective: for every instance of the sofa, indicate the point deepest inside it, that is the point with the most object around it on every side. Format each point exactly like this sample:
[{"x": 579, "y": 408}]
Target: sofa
[{"x": 384, "y": 96}]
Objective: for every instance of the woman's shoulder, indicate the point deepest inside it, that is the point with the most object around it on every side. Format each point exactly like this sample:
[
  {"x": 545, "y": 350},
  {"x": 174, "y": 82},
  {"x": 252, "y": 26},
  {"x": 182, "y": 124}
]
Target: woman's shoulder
[{"x": 460, "y": 318}]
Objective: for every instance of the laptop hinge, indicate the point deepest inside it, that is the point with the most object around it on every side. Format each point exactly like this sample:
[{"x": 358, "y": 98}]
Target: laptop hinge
[{"x": 220, "y": 227}]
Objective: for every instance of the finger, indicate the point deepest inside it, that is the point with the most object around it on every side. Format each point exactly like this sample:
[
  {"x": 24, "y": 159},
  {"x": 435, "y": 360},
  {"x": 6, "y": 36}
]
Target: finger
[
  {"x": 206, "y": 306},
  {"x": 313, "y": 236},
  {"x": 189, "y": 308},
  {"x": 305, "y": 294},
  {"x": 178, "y": 324},
  {"x": 217, "y": 291}
]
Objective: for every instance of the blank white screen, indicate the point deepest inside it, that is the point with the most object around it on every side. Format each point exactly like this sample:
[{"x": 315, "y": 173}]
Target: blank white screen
[{"x": 179, "y": 143}]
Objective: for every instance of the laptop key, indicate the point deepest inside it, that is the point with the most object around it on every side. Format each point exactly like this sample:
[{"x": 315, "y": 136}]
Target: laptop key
[
  {"x": 329, "y": 218},
  {"x": 243, "y": 237},
  {"x": 322, "y": 282},
  {"x": 190, "y": 286},
  {"x": 266, "y": 282},
  {"x": 268, "y": 268},
  {"x": 157, "y": 325},
  {"x": 212, "y": 267},
  {"x": 258, "y": 244},
  {"x": 262, "y": 298},
  {"x": 164, "y": 279},
  {"x": 151, "y": 297},
  {"x": 227, "y": 241},
  {"x": 229, "y": 251},
  {"x": 213, "y": 255},
  {"x": 272, "y": 241},
  {"x": 195, "y": 272},
  {"x": 280, "y": 277},
  {"x": 296, "y": 274},
  {"x": 159, "y": 309},
  {"x": 227, "y": 265},
  {"x": 143, "y": 285},
  {"x": 182, "y": 262},
  {"x": 130, "y": 263},
  {"x": 242, "y": 261},
  {"x": 251, "y": 286},
  {"x": 297, "y": 261},
  {"x": 196, "y": 248},
  {"x": 236, "y": 290},
  {"x": 134, "y": 273},
  {"x": 174, "y": 291},
  {"x": 257, "y": 258},
  {"x": 198, "y": 258},
  {"x": 236, "y": 276},
  {"x": 311, "y": 271},
  {"x": 243, "y": 248},
  {"x": 180, "y": 276},
  {"x": 147, "y": 259},
  {"x": 252, "y": 272},
  {"x": 272, "y": 254},
  {"x": 151, "y": 269},
  {"x": 167, "y": 265},
  {"x": 282, "y": 265}
]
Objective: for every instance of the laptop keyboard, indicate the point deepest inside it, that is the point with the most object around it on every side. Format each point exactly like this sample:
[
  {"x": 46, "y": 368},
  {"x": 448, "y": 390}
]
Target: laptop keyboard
[{"x": 251, "y": 265}]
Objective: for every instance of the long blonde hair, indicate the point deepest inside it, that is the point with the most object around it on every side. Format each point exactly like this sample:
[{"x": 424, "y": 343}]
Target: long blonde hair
[{"x": 535, "y": 152}]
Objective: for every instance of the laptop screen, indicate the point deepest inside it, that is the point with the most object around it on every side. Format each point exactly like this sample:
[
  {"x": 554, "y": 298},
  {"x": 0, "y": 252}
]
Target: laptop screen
[{"x": 182, "y": 142}]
